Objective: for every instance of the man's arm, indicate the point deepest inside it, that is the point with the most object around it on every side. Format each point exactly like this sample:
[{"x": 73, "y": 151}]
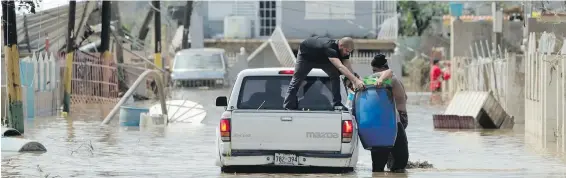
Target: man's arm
[
  {"x": 343, "y": 69},
  {"x": 334, "y": 59},
  {"x": 348, "y": 64},
  {"x": 386, "y": 74},
  {"x": 399, "y": 94}
]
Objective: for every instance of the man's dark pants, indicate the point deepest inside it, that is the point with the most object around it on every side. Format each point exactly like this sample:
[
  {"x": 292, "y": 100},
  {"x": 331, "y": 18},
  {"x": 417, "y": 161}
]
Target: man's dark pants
[
  {"x": 396, "y": 157},
  {"x": 302, "y": 69}
]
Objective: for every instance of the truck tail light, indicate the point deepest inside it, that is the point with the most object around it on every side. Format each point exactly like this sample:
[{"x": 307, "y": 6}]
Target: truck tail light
[
  {"x": 347, "y": 131},
  {"x": 225, "y": 127},
  {"x": 288, "y": 72}
]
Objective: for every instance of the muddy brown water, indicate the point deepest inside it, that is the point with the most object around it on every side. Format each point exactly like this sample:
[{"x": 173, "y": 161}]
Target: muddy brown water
[{"x": 79, "y": 147}]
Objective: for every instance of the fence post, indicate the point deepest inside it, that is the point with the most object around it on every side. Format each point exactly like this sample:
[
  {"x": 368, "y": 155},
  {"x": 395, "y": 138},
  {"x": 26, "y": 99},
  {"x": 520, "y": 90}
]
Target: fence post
[
  {"x": 540, "y": 105},
  {"x": 13, "y": 83},
  {"x": 53, "y": 83},
  {"x": 42, "y": 70},
  {"x": 69, "y": 59},
  {"x": 563, "y": 66},
  {"x": 27, "y": 75},
  {"x": 529, "y": 66}
]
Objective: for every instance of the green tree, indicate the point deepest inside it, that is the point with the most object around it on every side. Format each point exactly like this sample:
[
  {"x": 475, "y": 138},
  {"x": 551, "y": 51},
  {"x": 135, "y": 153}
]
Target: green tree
[{"x": 415, "y": 17}]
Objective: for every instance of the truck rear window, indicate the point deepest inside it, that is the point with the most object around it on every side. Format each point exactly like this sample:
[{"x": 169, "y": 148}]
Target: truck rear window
[{"x": 268, "y": 92}]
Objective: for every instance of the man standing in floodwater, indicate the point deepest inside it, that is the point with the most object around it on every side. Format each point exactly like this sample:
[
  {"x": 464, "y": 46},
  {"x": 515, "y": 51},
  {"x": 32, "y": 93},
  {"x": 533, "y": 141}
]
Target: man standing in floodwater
[
  {"x": 332, "y": 56},
  {"x": 398, "y": 157}
]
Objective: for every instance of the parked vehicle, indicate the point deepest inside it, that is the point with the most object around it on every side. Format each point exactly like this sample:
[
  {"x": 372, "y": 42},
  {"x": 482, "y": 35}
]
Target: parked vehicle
[
  {"x": 255, "y": 130},
  {"x": 197, "y": 67}
]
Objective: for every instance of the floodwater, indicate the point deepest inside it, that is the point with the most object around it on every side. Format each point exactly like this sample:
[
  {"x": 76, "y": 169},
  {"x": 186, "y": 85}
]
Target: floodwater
[{"x": 79, "y": 147}]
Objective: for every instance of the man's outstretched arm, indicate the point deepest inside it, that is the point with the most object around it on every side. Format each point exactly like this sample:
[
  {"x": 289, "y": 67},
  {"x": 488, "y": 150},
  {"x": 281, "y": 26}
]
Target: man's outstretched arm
[
  {"x": 348, "y": 65},
  {"x": 386, "y": 74},
  {"x": 342, "y": 68}
]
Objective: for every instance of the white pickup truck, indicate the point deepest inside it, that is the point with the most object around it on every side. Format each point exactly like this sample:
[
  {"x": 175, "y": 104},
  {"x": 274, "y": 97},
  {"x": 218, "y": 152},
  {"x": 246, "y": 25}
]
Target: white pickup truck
[{"x": 255, "y": 130}]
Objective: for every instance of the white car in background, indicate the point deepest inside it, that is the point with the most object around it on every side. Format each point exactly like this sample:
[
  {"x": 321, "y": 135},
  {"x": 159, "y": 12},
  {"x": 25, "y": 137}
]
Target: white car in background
[
  {"x": 255, "y": 130},
  {"x": 200, "y": 66}
]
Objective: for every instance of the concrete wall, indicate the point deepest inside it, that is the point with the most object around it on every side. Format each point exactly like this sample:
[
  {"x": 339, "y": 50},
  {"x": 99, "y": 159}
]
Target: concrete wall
[
  {"x": 515, "y": 88},
  {"x": 465, "y": 34},
  {"x": 265, "y": 58},
  {"x": 535, "y": 25}
]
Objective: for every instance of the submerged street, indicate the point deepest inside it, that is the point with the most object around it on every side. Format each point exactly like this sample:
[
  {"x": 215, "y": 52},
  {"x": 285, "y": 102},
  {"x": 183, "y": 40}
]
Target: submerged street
[{"x": 79, "y": 147}]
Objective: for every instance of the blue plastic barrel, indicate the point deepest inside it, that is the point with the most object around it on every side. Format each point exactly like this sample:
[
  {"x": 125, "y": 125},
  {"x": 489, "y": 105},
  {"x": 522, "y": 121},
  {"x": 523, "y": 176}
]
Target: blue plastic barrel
[
  {"x": 130, "y": 116},
  {"x": 376, "y": 117}
]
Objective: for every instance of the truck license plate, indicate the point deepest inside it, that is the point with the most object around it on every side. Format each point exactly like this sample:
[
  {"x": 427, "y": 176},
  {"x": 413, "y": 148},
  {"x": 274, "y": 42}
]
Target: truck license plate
[{"x": 286, "y": 159}]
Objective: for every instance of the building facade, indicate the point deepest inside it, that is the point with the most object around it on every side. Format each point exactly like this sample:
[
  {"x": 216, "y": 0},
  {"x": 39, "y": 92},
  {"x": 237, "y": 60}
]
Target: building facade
[{"x": 300, "y": 19}]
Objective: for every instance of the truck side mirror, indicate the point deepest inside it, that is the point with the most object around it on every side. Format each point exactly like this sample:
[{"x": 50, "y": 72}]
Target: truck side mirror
[{"x": 221, "y": 101}]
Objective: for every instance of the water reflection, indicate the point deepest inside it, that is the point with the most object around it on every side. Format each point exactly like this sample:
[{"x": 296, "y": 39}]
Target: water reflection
[
  {"x": 537, "y": 144},
  {"x": 70, "y": 129}
]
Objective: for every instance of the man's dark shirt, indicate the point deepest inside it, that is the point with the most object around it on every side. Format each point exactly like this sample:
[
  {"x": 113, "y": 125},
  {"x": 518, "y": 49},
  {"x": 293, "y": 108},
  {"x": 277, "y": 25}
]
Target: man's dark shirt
[{"x": 318, "y": 49}]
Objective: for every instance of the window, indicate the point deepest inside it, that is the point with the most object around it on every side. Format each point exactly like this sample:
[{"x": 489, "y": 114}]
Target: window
[
  {"x": 198, "y": 61},
  {"x": 267, "y": 17},
  {"x": 320, "y": 10},
  {"x": 268, "y": 92}
]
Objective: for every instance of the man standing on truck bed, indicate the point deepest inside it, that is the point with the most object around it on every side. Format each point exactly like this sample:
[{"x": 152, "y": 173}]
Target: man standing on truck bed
[
  {"x": 332, "y": 56},
  {"x": 400, "y": 153}
]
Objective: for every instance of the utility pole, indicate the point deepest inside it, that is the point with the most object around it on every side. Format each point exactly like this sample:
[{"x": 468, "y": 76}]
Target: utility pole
[
  {"x": 69, "y": 60},
  {"x": 12, "y": 57},
  {"x": 187, "y": 24},
  {"x": 26, "y": 33},
  {"x": 105, "y": 37},
  {"x": 497, "y": 36},
  {"x": 105, "y": 32},
  {"x": 144, "y": 29},
  {"x": 157, "y": 29},
  {"x": 122, "y": 86}
]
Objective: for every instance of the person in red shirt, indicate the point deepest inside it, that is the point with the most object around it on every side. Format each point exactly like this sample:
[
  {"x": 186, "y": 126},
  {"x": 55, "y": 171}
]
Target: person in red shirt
[{"x": 436, "y": 75}]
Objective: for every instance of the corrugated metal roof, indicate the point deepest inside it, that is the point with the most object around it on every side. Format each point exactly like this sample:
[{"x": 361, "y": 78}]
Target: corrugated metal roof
[{"x": 49, "y": 24}]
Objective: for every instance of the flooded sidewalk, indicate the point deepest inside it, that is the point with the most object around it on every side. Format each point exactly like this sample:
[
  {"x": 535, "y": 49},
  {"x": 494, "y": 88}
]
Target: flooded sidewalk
[{"x": 79, "y": 147}]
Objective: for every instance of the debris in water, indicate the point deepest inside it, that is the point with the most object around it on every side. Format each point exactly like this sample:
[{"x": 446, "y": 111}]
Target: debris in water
[{"x": 419, "y": 164}]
